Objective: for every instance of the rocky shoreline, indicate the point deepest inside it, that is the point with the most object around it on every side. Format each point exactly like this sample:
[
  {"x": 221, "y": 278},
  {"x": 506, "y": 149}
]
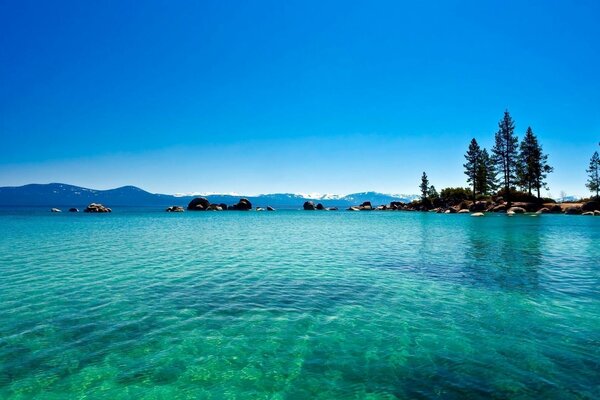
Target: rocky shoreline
[{"x": 475, "y": 208}]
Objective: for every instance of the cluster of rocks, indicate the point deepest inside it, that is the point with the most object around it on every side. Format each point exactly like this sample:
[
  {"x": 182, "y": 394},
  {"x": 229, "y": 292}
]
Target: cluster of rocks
[
  {"x": 97, "y": 208},
  {"x": 203, "y": 204},
  {"x": 477, "y": 208},
  {"x": 310, "y": 206},
  {"x": 174, "y": 209}
]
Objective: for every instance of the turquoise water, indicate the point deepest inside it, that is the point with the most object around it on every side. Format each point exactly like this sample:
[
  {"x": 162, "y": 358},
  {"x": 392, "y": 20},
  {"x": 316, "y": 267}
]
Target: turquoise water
[{"x": 298, "y": 305}]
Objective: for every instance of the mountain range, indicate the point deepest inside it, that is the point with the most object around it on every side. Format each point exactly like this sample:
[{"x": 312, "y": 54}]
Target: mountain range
[{"x": 64, "y": 195}]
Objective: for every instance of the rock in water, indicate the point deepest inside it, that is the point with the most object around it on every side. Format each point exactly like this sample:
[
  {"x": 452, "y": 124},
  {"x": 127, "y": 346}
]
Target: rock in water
[
  {"x": 320, "y": 207},
  {"x": 573, "y": 210},
  {"x": 56, "y": 210},
  {"x": 269, "y": 208},
  {"x": 590, "y": 206},
  {"x": 517, "y": 210},
  {"x": 477, "y": 214},
  {"x": 464, "y": 211},
  {"x": 365, "y": 206},
  {"x": 543, "y": 210},
  {"x": 198, "y": 204},
  {"x": 309, "y": 206},
  {"x": 73, "y": 209},
  {"x": 588, "y": 213},
  {"x": 242, "y": 205},
  {"x": 97, "y": 208},
  {"x": 174, "y": 209}
]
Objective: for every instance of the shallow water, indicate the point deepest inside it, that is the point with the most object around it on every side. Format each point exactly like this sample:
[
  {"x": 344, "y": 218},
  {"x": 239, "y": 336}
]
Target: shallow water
[{"x": 293, "y": 305}]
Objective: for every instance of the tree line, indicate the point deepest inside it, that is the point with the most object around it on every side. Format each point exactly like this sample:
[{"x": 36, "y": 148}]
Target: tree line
[{"x": 510, "y": 165}]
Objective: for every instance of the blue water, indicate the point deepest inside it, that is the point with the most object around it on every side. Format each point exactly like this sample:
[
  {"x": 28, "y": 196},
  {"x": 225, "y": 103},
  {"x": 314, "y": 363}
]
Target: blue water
[{"x": 142, "y": 304}]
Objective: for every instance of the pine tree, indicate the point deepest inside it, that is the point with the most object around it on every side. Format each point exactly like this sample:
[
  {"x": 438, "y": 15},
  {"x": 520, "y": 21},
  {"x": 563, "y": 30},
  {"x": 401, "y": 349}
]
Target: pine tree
[
  {"x": 532, "y": 167},
  {"x": 505, "y": 154},
  {"x": 424, "y": 186},
  {"x": 486, "y": 174},
  {"x": 432, "y": 193},
  {"x": 472, "y": 166},
  {"x": 593, "y": 171}
]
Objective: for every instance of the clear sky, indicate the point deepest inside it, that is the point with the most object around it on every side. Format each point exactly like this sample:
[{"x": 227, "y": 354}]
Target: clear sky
[{"x": 290, "y": 96}]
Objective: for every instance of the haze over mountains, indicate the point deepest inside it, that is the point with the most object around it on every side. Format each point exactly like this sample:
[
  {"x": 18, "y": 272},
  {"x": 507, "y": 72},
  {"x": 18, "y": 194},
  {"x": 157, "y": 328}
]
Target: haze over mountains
[{"x": 63, "y": 195}]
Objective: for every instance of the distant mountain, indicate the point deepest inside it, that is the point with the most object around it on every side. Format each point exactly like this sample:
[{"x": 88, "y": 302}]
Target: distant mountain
[{"x": 63, "y": 195}]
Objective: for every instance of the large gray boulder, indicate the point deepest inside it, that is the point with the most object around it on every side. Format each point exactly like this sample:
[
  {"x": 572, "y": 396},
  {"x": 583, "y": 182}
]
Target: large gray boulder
[
  {"x": 309, "y": 206},
  {"x": 97, "y": 208},
  {"x": 590, "y": 206},
  {"x": 198, "y": 204}
]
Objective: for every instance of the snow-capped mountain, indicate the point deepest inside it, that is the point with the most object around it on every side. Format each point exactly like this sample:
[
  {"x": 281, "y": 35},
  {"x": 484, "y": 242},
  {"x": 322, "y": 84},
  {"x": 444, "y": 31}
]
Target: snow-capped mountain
[{"x": 60, "y": 194}]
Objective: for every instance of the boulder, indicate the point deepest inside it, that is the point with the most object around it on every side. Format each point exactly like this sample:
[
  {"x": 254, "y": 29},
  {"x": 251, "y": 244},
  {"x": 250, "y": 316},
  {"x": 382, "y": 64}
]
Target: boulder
[
  {"x": 97, "y": 208},
  {"x": 517, "y": 210},
  {"x": 477, "y": 214},
  {"x": 223, "y": 206},
  {"x": 198, "y": 204},
  {"x": 588, "y": 213},
  {"x": 590, "y": 206},
  {"x": 365, "y": 206},
  {"x": 269, "y": 208},
  {"x": 320, "y": 207},
  {"x": 73, "y": 209},
  {"x": 214, "y": 207},
  {"x": 55, "y": 210},
  {"x": 478, "y": 206},
  {"x": 597, "y": 213},
  {"x": 465, "y": 205},
  {"x": 499, "y": 208},
  {"x": 332, "y": 209},
  {"x": 543, "y": 210},
  {"x": 464, "y": 211},
  {"x": 353, "y": 209},
  {"x": 556, "y": 209},
  {"x": 174, "y": 209},
  {"x": 396, "y": 205},
  {"x": 309, "y": 206},
  {"x": 527, "y": 206},
  {"x": 260, "y": 209},
  {"x": 573, "y": 210},
  {"x": 242, "y": 205}
]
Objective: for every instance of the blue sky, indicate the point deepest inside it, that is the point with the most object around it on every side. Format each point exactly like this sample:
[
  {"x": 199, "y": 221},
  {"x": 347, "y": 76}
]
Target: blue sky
[{"x": 286, "y": 96}]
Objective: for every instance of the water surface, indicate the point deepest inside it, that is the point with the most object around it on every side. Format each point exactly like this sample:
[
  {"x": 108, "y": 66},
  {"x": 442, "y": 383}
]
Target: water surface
[{"x": 293, "y": 305}]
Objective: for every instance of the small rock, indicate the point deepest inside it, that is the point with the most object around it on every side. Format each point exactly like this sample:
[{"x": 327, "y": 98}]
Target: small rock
[
  {"x": 73, "y": 209},
  {"x": 464, "y": 211},
  {"x": 543, "y": 210},
  {"x": 477, "y": 214},
  {"x": 269, "y": 208},
  {"x": 320, "y": 207},
  {"x": 590, "y": 213},
  {"x": 174, "y": 209},
  {"x": 55, "y": 210},
  {"x": 517, "y": 210}
]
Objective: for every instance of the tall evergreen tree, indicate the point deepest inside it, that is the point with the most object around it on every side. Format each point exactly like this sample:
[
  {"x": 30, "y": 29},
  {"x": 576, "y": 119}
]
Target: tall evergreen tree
[
  {"x": 472, "y": 166},
  {"x": 424, "y": 186},
  {"x": 432, "y": 193},
  {"x": 486, "y": 174},
  {"x": 505, "y": 154},
  {"x": 532, "y": 167},
  {"x": 593, "y": 171}
]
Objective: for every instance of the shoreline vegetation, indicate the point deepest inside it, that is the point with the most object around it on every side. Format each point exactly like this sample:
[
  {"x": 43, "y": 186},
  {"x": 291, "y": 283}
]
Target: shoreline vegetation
[{"x": 508, "y": 179}]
